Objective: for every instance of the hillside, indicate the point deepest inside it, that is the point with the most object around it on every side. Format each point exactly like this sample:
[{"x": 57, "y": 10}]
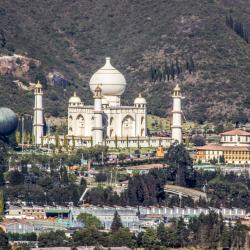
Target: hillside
[{"x": 72, "y": 38}]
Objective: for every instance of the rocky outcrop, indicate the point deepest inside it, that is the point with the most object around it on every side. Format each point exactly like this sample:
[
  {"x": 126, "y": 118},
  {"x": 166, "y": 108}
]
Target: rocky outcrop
[
  {"x": 57, "y": 78},
  {"x": 17, "y": 65}
]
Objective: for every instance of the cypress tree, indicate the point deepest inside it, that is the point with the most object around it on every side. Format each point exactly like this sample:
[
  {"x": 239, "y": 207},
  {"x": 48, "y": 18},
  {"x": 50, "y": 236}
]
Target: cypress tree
[{"x": 116, "y": 223}]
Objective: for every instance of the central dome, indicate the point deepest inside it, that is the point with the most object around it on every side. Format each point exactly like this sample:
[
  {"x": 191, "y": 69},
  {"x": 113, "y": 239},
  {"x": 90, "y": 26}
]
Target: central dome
[{"x": 110, "y": 80}]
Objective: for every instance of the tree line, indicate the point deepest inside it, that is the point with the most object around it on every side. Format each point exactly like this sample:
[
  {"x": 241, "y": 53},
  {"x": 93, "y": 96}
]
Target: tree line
[
  {"x": 238, "y": 27},
  {"x": 170, "y": 70}
]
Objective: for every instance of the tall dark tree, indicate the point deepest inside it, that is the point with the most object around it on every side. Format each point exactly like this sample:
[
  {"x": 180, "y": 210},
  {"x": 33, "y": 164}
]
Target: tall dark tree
[
  {"x": 116, "y": 223},
  {"x": 4, "y": 241},
  {"x": 15, "y": 177},
  {"x": 178, "y": 158}
]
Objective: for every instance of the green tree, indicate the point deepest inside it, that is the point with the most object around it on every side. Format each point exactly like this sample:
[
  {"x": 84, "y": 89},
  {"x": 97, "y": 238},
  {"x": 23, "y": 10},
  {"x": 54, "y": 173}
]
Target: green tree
[
  {"x": 57, "y": 141},
  {"x": 73, "y": 142},
  {"x": 64, "y": 175},
  {"x": 239, "y": 236},
  {"x": 18, "y": 137},
  {"x": 198, "y": 140},
  {"x": 52, "y": 239},
  {"x": 90, "y": 237},
  {"x": 163, "y": 235},
  {"x": 150, "y": 239},
  {"x": 226, "y": 238},
  {"x": 4, "y": 241},
  {"x": 116, "y": 223},
  {"x": 182, "y": 232},
  {"x": 89, "y": 220},
  {"x": 1, "y": 203},
  {"x": 179, "y": 159},
  {"x": 1, "y": 176},
  {"x": 122, "y": 237},
  {"x": 65, "y": 143},
  {"x": 15, "y": 177}
]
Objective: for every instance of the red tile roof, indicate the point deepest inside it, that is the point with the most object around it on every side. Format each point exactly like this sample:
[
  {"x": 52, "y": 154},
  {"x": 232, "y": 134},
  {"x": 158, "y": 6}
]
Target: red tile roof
[
  {"x": 236, "y": 132},
  {"x": 216, "y": 147}
]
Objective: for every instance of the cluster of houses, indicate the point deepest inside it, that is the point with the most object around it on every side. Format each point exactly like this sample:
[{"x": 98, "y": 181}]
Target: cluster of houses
[{"x": 39, "y": 219}]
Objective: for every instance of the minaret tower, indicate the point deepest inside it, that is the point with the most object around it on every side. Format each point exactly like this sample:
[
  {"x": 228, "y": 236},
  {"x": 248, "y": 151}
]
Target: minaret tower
[
  {"x": 177, "y": 115},
  {"x": 38, "y": 114},
  {"x": 98, "y": 113}
]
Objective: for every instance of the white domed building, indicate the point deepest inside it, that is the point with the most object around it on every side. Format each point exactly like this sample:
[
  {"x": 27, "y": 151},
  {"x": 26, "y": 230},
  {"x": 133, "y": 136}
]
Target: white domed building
[
  {"x": 118, "y": 122},
  {"x": 108, "y": 122}
]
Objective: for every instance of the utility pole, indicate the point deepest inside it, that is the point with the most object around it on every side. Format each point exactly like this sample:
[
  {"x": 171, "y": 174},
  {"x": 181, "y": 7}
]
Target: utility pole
[
  {"x": 48, "y": 137},
  {"x": 102, "y": 159},
  {"x": 22, "y": 132}
]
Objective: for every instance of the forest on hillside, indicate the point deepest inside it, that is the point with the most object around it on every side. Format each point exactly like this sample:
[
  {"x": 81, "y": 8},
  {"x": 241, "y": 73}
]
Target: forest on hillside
[{"x": 201, "y": 44}]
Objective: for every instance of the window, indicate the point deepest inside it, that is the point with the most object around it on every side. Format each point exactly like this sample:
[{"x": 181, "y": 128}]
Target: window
[
  {"x": 142, "y": 120},
  {"x": 111, "y": 120}
]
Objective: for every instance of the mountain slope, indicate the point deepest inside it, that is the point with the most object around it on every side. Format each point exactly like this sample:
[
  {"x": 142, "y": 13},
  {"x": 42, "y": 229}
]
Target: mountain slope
[{"x": 73, "y": 37}]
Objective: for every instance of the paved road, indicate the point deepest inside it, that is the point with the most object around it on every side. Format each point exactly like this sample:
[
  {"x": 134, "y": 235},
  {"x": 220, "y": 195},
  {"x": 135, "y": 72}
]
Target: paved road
[{"x": 186, "y": 192}]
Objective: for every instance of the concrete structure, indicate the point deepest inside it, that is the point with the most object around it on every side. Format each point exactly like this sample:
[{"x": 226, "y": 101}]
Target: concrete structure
[
  {"x": 20, "y": 226},
  {"x": 105, "y": 214},
  {"x": 135, "y": 218},
  {"x": 98, "y": 114},
  {"x": 38, "y": 114},
  {"x": 185, "y": 192},
  {"x": 177, "y": 115},
  {"x": 35, "y": 212},
  {"x": 108, "y": 122},
  {"x": 145, "y": 168}
]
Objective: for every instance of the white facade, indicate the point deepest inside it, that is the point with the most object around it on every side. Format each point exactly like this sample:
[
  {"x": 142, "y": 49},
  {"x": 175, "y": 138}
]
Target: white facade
[
  {"x": 118, "y": 122},
  {"x": 38, "y": 114},
  {"x": 177, "y": 115},
  {"x": 107, "y": 122},
  {"x": 98, "y": 114},
  {"x": 236, "y": 137}
]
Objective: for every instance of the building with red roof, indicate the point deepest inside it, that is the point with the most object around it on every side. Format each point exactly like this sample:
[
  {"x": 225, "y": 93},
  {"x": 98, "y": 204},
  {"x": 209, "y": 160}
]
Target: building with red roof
[
  {"x": 235, "y": 137},
  {"x": 234, "y": 148}
]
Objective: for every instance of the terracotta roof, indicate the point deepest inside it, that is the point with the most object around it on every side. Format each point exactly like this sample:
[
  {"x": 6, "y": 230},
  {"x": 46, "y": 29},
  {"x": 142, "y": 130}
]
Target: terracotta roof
[
  {"x": 147, "y": 166},
  {"x": 236, "y": 132},
  {"x": 217, "y": 147},
  {"x": 14, "y": 221},
  {"x": 152, "y": 216}
]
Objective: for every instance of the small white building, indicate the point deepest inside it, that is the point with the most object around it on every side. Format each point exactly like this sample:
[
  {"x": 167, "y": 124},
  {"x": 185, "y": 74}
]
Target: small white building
[{"x": 235, "y": 137}]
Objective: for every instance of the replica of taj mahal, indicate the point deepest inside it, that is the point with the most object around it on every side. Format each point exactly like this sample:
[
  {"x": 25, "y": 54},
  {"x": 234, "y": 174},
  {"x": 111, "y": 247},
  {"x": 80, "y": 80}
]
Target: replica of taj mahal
[{"x": 107, "y": 122}]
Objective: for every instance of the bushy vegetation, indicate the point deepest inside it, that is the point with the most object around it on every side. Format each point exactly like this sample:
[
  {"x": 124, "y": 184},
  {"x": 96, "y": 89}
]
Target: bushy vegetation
[
  {"x": 76, "y": 43},
  {"x": 228, "y": 190}
]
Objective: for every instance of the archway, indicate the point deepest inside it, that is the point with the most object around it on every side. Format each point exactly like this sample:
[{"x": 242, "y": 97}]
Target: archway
[
  {"x": 128, "y": 126},
  {"x": 80, "y": 125}
]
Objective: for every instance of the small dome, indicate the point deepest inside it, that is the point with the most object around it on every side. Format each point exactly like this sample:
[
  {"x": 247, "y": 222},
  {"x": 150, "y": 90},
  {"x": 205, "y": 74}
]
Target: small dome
[
  {"x": 111, "y": 81},
  {"x": 74, "y": 99},
  {"x": 177, "y": 87},
  {"x": 8, "y": 121},
  {"x": 140, "y": 100},
  {"x": 38, "y": 85}
]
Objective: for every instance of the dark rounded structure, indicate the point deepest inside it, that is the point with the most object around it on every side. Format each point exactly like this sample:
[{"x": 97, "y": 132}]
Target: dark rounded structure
[{"x": 8, "y": 121}]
